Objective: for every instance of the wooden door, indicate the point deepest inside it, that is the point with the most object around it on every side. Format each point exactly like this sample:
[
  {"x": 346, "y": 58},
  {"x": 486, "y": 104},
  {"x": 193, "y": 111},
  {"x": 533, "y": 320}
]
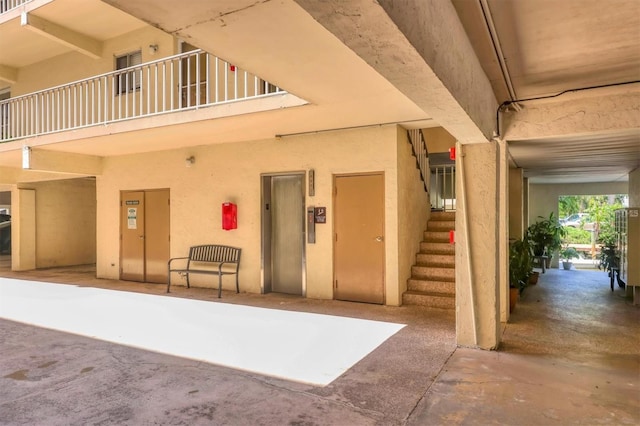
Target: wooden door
[
  {"x": 359, "y": 238},
  {"x": 156, "y": 235},
  {"x": 132, "y": 236}
]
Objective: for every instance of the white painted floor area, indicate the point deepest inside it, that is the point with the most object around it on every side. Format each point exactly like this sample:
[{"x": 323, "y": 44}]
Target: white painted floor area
[{"x": 298, "y": 346}]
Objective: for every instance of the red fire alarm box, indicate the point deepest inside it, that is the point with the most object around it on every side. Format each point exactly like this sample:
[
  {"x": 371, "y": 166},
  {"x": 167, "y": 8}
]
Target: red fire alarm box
[{"x": 229, "y": 216}]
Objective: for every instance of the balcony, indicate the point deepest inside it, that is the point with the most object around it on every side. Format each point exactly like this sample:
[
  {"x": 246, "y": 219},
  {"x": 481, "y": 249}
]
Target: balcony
[
  {"x": 7, "y": 5},
  {"x": 183, "y": 82}
]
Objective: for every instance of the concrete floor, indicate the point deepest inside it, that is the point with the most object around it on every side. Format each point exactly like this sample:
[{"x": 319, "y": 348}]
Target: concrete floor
[{"x": 570, "y": 355}]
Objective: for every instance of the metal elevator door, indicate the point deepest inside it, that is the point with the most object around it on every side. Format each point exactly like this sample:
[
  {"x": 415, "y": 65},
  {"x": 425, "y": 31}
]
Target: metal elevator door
[{"x": 283, "y": 240}]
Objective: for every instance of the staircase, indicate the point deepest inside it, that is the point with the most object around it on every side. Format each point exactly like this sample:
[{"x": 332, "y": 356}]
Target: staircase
[{"x": 432, "y": 281}]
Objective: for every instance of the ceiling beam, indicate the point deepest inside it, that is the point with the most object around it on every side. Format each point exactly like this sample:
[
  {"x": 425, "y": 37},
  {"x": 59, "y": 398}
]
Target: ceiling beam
[
  {"x": 422, "y": 49},
  {"x": 63, "y": 35},
  {"x": 610, "y": 112},
  {"x": 62, "y": 162},
  {"x": 8, "y": 74}
]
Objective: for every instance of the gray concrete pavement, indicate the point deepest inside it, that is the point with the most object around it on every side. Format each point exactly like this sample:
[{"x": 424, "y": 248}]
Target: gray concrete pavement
[{"x": 571, "y": 355}]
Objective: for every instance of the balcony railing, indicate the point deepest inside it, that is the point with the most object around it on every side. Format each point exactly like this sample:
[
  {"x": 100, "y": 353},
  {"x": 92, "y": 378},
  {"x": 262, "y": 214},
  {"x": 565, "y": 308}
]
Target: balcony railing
[
  {"x": 186, "y": 81},
  {"x": 7, "y": 5},
  {"x": 443, "y": 187}
]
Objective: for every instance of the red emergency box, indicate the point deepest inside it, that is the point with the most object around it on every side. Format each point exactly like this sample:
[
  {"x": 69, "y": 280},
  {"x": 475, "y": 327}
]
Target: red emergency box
[{"x": 229, "y": 216}]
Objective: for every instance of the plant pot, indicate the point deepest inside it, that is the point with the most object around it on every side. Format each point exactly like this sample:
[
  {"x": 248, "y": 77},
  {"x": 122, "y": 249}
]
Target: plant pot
[
  {"x": 567, "y": 265},
  {"x": 513, "y": 298},
  {"x": 533, "y": 278}
]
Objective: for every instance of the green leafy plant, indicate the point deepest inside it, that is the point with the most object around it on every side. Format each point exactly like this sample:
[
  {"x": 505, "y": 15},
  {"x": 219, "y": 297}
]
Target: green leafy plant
[
  {"x": 546, "y": 235},
  {"x": 568, "y": 253},
  {"x": 520, "y": 263}
]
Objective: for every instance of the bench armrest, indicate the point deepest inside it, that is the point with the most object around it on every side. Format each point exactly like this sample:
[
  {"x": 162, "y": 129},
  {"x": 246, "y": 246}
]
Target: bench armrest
[{"x": 175, "y": 258}]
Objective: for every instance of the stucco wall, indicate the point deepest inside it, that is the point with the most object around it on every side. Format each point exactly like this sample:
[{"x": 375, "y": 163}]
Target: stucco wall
[
  {"x": 543, "y": 198},
  {"x": 231, "y": 172},
  {"x": 634, "y": 188},
  {"x": 413, "y": 211},
  {"x": 438, "y": 139},
  {"x": 65, "y": 222},
  {"x": 74, "y": 66}
]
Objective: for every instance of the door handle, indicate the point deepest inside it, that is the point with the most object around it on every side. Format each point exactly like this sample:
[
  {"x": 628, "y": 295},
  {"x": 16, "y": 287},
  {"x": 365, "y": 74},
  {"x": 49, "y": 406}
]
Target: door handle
[
  {"x": 142, "y": 237},
  {"x": 379, "y": 238}
]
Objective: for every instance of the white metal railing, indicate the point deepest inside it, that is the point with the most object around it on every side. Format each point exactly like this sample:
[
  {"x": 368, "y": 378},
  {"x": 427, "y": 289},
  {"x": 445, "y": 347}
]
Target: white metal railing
[
  {"x": 443, "y": 187},
  {"x": 185, "y": 81},
  {"x": 419, "y": 148},
  {"x": 7, "y": 5}
]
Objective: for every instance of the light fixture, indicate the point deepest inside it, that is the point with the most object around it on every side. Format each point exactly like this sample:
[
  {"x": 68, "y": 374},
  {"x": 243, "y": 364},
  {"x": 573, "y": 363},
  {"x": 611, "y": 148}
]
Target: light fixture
[
  {"x": 153, "y": 48},
  {"x": 189, "y": 161}
]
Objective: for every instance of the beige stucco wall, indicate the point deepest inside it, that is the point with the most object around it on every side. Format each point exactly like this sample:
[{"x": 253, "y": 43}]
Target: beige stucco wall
[
  {"x": 76, "y": 66},
  {"x": 65, "y": 222},
  {"x": 413, "y": 211},
  {"x": 634, "y": 188},
  {"x": 231, "y": 172},
  {"x": 543, "y": 198},
  {"x": 438, "y": 139}
]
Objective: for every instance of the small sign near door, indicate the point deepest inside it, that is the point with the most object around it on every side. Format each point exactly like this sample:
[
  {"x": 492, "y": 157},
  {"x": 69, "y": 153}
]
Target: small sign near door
[
  {"x": 320, "y": 215},
  {"x": 132, "y": 218}
]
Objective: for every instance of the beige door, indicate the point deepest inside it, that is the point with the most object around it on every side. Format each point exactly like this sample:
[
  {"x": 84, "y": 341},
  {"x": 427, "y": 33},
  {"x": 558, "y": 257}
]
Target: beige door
[
  {"x": 144, "y": 243},
  {"x": 359, "y": 238},
  {"x": 132, "y": 236},
  {"x": 156, "y": 235}
]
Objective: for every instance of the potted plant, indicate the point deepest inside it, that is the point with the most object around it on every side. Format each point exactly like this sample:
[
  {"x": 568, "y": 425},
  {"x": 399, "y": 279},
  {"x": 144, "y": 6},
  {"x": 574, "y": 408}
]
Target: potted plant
[
  {"x": 567, "y": 254},
  {"x": 520, "y": 268},
  {"x": 546, "y": 236}
]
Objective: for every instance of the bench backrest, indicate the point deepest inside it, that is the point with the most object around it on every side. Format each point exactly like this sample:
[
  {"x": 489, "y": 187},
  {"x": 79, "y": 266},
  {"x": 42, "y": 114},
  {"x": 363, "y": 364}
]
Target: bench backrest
[{"x": 214, "y": 253}]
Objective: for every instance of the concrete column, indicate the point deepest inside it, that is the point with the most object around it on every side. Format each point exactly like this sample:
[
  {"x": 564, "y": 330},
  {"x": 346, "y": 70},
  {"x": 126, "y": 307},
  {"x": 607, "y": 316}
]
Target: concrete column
[
  {"x": 503, "y": 229},
  {"x": 516, "y": 204},
  {"x": 477, "y": 246},
  {"x": 23, "y": 229},
  {"x": 634, "y": 188}
]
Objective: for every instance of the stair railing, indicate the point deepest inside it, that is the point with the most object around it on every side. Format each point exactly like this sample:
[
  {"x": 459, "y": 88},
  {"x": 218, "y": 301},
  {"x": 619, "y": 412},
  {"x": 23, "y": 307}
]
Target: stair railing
[{"x": 419, "y": 149}]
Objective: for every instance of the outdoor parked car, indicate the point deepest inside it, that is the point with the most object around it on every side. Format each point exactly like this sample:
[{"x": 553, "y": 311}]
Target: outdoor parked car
[
  {"x": 577, "y": 220},
  {"x": 5, "y": 234}
]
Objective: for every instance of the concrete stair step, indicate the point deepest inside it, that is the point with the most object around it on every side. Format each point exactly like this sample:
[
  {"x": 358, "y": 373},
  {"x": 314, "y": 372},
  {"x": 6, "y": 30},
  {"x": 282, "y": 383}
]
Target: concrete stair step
[
  {"x": 447, "y": 260},
  {"x": 439, "y": 216},
  {"x": 441, "y": 225},
  {"x": 437, "y": 248},
  {"x": 436, "y": 236},
  {"x": 429, "y": 286},
  {"x": 432, "y": 300},
  {"x": 433, "y": 273}
]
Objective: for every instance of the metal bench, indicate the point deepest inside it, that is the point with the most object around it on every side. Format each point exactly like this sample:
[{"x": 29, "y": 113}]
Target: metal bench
[{"x": 209, "y": 259}]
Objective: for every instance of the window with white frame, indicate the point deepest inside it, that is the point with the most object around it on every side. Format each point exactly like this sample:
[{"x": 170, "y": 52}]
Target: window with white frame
[{"x": 130, "y": 80}]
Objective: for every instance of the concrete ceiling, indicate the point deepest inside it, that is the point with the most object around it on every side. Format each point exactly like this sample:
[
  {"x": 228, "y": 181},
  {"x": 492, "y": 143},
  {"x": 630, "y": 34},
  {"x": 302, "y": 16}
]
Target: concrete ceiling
[
  {"x": 536, "y": 49},
  {"x": 89, "y": 19},
  {"x": 318, "y": 52}
]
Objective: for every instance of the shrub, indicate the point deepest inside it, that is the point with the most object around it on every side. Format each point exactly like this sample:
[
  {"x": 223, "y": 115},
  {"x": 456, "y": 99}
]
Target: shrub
[{"x": 576, "y": 236}]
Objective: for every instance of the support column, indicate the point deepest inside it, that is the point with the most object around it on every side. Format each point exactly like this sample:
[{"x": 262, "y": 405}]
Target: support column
[
  {"x": 503, "y": 228},
  {"x": 477, "y": 246},
  {"x": 516, "y": 204},
  {"x": 23, "y": 229}
]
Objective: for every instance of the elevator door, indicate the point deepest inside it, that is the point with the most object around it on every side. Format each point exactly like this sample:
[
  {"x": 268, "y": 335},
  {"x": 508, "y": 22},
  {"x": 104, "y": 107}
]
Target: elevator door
[
  {"x": 283, "y": 234},
  {"x": 145, "y": 235},
  {"x": 359, "y": 238}
]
